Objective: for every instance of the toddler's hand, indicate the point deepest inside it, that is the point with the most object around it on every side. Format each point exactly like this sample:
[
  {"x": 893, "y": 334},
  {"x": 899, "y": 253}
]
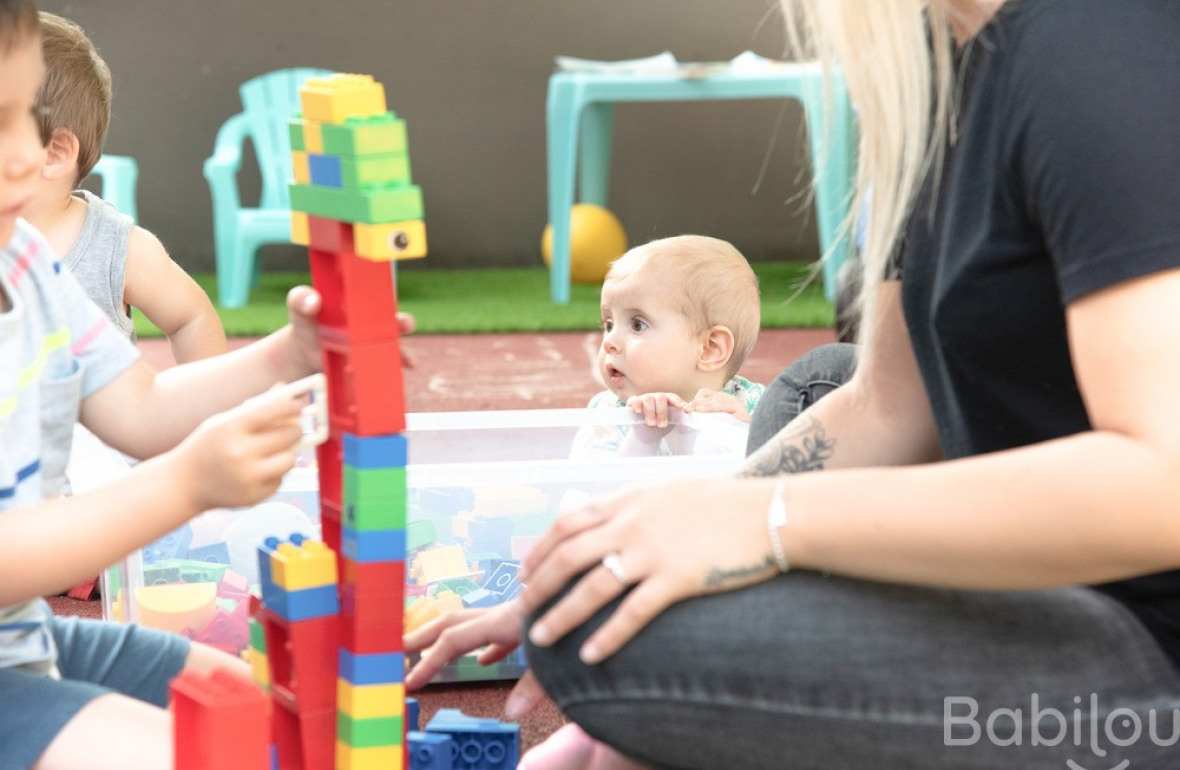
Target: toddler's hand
[
  {"x": 707, "y": 400},
  {"x": 654, "y": 407},
  {"x": 239, "y": 457}
]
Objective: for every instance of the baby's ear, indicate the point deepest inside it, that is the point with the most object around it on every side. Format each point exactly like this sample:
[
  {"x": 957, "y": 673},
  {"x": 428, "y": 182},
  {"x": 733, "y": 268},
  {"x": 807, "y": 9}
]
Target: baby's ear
[
  {"x": 717, "y": 349},
  {"x": 61, "y": 155}
]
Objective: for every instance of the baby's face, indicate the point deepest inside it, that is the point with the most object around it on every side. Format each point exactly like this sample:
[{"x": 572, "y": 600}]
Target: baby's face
[{"x": 647, "y": 346}]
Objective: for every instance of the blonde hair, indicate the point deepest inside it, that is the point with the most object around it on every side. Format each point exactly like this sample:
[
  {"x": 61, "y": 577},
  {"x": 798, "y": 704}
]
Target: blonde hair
[
  {"x": 711, "y": 284},
  {"x": 77, "y": 91},
  {"x": 895, "y": 57}
]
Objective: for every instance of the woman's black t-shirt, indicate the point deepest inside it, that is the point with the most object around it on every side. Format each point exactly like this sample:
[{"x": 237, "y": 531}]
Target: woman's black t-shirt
[{"x": 1064, "y": 179}]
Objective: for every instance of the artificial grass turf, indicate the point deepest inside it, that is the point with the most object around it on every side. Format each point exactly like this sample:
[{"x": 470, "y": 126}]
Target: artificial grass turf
[{"x": 509, "y": 300}]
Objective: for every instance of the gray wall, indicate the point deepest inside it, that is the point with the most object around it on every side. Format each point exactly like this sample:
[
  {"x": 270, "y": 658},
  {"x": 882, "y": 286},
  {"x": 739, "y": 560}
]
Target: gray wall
[{"x": 469, "y": 77}]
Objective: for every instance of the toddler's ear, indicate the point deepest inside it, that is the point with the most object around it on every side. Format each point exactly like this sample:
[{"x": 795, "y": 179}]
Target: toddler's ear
[
  {"x": 61, "y": 155},
  {"x": 716, "y": 350}
]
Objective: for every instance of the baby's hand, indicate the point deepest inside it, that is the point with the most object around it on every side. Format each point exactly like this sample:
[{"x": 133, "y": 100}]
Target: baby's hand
[
  {"x": 654, "y": 407},
  {"x": 239, "y": 457},
  {"x": 707, "y": 400}
]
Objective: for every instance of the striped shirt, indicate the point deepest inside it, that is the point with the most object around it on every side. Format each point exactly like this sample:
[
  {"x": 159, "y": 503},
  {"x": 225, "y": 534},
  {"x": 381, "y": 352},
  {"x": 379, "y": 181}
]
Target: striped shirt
[{"x": 56, "y": 348}]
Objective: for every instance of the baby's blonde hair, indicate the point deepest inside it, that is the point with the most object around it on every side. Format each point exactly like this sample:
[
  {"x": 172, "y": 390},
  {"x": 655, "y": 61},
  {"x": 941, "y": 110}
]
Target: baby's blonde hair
[
  {"x": 77, "y": 91},
  {"x": 711, "y": 284}
]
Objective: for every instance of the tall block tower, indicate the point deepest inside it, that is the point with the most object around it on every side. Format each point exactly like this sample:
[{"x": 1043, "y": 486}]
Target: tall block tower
[{"x": 356, "y": 208}]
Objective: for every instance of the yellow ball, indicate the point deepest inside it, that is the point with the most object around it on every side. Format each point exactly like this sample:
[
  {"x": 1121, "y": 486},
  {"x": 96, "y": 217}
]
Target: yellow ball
[{"x": 597, "y": 238}]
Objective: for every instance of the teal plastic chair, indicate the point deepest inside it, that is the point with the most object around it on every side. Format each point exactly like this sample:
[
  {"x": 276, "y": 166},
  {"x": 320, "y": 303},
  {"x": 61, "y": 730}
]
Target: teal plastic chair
[
  {"x": 119, "y": 175},
  {"x": 580, "y": 112},
  {"x": 268, "y": 102}
]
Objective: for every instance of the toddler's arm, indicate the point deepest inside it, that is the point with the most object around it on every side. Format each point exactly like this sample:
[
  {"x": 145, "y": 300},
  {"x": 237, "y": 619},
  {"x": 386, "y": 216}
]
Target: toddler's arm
[
  {"x": 143, "y": 412},
  {"x": 233, "y": 459},
  {"x": 171, "y": 299}
]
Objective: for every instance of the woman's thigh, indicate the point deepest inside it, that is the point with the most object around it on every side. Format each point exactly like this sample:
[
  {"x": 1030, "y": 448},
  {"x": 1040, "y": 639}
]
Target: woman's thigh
[{"x": 812, "y": 672}]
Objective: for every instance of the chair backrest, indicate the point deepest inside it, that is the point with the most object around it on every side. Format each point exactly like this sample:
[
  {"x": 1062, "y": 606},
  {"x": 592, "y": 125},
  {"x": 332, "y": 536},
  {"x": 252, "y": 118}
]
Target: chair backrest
[{"x": 268, "y": 102}]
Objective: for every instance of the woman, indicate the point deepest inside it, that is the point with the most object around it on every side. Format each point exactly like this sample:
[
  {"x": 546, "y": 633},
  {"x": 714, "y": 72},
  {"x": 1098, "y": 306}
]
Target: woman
[{"x": 985, "y": 574}]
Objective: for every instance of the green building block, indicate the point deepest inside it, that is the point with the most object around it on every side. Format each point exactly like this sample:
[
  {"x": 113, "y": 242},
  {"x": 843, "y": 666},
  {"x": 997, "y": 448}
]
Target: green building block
[
  {"x": 419, "y": 534},
  {"x": 364, "y": 733},
  {"x": 373, "y": 135},
  {"x": 468, "y": 668},
  {"x": 372, "y": 205},
  {"x": 364, "y": 171},
  {"x": 295, "y": 131},
  {"x": 375, "y": 515},
  {"x": 257, "y": 636},
  {"x": 364, "y": 484},
  {"x": 374, "y": 498},
  {"x": 458, "y": 586}
]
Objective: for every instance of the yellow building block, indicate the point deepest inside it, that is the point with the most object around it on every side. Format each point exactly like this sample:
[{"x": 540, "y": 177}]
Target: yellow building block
[
  {"x": 389, "y": 242},
  {"x": 364, "y": 701},
  {"x": 333, "y": 98},
  {"x": 313, "y": 135},
  {"x": 300, "y": 229},
  {"x": 434, "y": 564},
  {"x": 369, "y": 757},
  {"x": 424, "y": 609},
  {"x": 259, "y": 667},
  {"x": 302, "y": 167},
  {"x": 176, "y": 606},
  {"x": 309, "y": 565}
]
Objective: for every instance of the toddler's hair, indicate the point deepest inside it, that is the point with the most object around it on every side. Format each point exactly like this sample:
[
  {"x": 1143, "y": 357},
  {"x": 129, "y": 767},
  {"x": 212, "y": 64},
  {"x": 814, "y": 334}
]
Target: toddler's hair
[
  {"x": 18, "y": 23},
  {"x": 711, "y": 285},
  {"x": 77, "y": 91}
]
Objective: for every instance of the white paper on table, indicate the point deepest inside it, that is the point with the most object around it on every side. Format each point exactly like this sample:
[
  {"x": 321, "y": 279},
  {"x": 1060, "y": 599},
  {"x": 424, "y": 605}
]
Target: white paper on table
[{"x": 666, "y": 63}]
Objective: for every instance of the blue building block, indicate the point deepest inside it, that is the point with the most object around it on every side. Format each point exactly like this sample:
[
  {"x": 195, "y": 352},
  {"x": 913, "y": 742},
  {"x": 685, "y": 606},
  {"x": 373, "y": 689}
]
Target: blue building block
[
  {"x": 268, "y": 547},
  {"x": 303, "y": 604},
  {"x": 504, "y": 580},
  {"x": 411, "y": 714},
  {"x": 388, "y": 451},
  {"x": 374, "y": 545},
  {"x": 214, "y": 553},
  {"x": 374, "y": 668},
  {"x": 491, "y": 533},
  {"x": 325, "y": 170},
  {"x": 430, "y": 751},
  {"x": 480, "y": 744},
  {"x": 174, "y": 545}
]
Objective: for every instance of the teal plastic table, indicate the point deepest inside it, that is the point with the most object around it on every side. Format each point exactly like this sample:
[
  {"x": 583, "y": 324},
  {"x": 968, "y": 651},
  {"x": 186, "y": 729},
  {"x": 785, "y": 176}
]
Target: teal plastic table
[{"x": 580, "y": 112}]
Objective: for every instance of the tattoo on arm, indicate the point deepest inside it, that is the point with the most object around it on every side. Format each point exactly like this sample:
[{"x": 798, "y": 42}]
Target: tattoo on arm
[
  {"x": 801, "y": 446},
  {"x": 719, "y": 578}
]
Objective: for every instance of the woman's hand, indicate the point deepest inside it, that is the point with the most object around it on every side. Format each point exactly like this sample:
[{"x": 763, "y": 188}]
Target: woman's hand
[
  {"x": 667, "y": 542},
  {"x": 457, "y": 633}
]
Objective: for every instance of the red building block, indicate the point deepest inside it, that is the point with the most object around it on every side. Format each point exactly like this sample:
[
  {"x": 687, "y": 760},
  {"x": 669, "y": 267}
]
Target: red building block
[
  {"x": 373, "y": 591},
  {"x": 330, "y": 466},
  {"x": 359, "y": 298},
  {"x": 330, "y": 529},
  {"x": 302, "y": 660},
  {"x": 365, "y": 390},
  {"x": 221, "y": 723},
  {"x": 305, "y": 740}
]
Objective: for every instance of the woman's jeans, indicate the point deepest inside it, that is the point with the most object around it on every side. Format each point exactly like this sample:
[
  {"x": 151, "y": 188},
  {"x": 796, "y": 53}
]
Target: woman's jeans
[
  {"x": 806, "y": 671},
  {"x": 809, "y": 378},
  {"x": 812, "y": 672}
]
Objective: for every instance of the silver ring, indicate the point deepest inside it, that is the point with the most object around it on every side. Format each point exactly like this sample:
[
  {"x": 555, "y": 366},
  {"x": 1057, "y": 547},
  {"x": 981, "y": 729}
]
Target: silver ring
[{"x": 614, "y": 565}]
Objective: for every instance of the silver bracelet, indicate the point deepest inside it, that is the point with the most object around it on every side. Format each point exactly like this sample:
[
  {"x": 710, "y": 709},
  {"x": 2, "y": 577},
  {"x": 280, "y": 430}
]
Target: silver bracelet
[{"x": 776, "y": 517}]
